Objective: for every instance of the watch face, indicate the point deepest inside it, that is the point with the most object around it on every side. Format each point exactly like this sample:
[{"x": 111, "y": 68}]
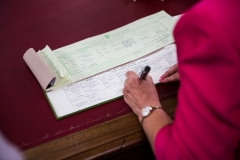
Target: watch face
[{"x": 146, "y": 111}]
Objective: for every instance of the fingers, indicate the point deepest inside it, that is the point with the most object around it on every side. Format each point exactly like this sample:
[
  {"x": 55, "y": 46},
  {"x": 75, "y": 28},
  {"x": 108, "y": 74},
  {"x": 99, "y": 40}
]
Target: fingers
[
  {"x": 171, "y": 70},
  {"x": 170, "y": 75},
  {"x": 149, "y": 79},
  {"x": 130, "y": 74},
  {"x": 130, "y": 78},
  {"x": 172, "y": 78}
]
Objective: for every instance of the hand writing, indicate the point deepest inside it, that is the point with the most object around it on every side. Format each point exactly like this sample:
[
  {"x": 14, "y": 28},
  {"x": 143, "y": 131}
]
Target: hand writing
[{"x": 139, "y": 93}]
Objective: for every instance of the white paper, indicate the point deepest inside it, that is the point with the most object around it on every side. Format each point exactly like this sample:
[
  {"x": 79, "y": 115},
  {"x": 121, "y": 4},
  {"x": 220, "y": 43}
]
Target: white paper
[{"x": 108, "y": 85}]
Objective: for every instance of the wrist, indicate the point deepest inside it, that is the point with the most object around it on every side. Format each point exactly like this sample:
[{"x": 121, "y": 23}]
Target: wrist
[{"x": 147, "y": 111}]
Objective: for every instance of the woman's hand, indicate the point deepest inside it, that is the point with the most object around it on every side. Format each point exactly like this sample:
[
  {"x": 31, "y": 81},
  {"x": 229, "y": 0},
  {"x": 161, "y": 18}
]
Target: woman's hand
[
  {"x": 139, "y": 93},
  {"x": 170, "y": 75}
]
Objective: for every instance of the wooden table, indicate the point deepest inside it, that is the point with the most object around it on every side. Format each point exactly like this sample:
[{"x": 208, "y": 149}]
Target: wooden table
[
  {"x": 120, "y": 138},
  {"x": 26, "y": 118}
]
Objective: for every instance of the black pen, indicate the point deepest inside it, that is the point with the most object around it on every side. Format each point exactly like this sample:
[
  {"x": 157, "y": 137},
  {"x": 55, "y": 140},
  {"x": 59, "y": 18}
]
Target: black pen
[{"x": 143, "y": 74}]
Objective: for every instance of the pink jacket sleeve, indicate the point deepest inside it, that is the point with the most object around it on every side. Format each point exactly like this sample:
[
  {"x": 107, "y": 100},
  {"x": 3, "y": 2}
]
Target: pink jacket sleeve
[{"x": 207, "y": 120}]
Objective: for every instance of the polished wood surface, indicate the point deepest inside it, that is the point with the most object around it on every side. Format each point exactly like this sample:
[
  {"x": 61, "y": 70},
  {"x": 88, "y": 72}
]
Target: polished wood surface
[{"x": 109, "y": 140}]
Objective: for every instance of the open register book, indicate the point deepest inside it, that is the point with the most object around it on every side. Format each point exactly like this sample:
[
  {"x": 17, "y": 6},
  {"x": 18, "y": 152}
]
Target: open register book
[{"x": 92, "y": 71}]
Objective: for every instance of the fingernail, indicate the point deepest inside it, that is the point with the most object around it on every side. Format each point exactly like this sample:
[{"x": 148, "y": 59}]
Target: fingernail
[{"x": 161, "y": 79}]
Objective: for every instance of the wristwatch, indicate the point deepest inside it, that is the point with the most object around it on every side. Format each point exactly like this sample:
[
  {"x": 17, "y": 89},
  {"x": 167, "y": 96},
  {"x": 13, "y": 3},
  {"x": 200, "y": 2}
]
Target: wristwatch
[{"x": 146, "y": 111}]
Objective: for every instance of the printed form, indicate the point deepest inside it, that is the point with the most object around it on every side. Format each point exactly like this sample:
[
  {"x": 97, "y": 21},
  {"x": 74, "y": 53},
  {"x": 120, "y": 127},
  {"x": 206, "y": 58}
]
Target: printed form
[
  {"x": 108, "y": 85},
  {"x": 93, "y": 55}
]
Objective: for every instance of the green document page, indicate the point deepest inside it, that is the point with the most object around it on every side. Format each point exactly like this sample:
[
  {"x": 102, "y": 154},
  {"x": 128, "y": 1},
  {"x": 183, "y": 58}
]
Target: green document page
[{"x": 93, "y": 55}]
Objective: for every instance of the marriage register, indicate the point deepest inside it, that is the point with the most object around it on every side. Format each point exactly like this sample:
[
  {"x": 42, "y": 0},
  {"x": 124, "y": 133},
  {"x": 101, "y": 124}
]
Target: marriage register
[{"x": 92, "y": 71}]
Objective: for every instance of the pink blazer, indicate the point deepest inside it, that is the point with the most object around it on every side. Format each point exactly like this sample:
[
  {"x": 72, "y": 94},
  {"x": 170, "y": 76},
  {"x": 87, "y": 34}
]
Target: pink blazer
[{"x": 207, "y": 120}]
